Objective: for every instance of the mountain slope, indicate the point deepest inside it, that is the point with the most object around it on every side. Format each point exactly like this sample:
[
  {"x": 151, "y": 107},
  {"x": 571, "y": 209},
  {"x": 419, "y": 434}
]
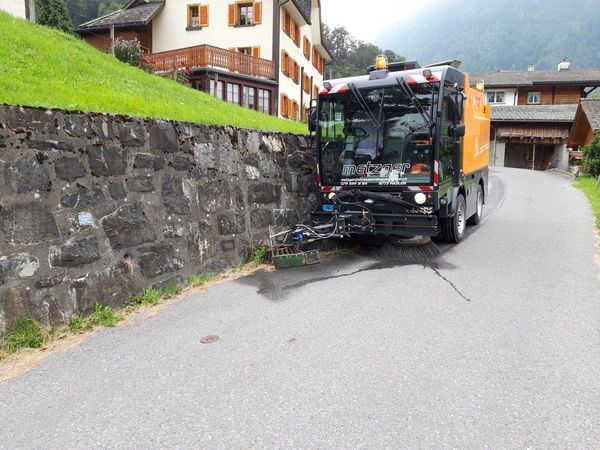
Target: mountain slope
[
  {"x": 503, "y": 34},
  {"x": 40, "y": 66}
]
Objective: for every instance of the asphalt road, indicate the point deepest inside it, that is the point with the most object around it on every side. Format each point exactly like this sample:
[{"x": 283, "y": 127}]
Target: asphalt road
[{"x": 497, "y": 344}]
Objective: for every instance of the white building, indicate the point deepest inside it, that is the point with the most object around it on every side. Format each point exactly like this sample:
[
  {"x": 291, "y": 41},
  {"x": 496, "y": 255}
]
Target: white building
[
  {"x": 266, "y": 55},
  {"x": 14, "y": 7}
]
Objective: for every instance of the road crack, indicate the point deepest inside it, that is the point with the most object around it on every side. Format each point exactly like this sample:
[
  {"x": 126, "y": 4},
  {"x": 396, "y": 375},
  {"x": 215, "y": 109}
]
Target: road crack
[{"x": 438, "y": 273}]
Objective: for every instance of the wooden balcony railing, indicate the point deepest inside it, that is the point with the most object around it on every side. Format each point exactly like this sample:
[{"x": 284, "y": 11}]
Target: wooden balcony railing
[{"x": 209, "y": 56}]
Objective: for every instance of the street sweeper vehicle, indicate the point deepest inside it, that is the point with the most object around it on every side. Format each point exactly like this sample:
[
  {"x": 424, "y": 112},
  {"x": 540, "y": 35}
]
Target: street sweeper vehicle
[{"x": 402, "y": 153}]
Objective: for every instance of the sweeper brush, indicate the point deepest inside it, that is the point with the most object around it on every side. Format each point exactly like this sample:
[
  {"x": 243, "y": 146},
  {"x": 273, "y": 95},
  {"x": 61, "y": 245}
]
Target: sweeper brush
[{"x": 414, "y": 250}]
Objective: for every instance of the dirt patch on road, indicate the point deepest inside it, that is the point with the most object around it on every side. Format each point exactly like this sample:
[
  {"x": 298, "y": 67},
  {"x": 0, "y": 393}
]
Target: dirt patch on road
[{"x": 28, "y": 359}]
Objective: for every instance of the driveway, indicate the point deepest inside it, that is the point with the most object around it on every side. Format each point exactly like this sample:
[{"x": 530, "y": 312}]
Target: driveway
[{"x": 496, "y": 344}]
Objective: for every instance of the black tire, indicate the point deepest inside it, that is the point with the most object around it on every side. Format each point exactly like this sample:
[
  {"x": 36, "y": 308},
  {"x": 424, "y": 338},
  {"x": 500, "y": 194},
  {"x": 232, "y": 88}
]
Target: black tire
[
  {"x": 453, "y": 228},
  {"x": 476, "y": 218}
]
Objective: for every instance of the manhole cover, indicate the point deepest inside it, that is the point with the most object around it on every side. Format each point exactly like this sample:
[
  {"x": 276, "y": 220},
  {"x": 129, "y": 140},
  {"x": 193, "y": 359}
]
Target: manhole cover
[{"x": 209, "y": 339}]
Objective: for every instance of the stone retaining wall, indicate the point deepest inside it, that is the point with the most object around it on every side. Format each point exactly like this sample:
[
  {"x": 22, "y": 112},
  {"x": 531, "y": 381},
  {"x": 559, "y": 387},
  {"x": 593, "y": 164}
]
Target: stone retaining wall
[{"x": 94, "y": 208}]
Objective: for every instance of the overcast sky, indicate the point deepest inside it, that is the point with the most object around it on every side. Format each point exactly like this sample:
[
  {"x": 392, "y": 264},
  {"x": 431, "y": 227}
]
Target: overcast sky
[{"x": 366, "y": 19}]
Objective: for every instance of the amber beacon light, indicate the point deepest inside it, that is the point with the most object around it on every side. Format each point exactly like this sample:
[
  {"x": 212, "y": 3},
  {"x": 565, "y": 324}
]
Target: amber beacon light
[{"x": 381, "y": 62}]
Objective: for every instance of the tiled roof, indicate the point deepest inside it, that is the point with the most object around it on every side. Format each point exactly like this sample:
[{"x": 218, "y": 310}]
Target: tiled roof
[
  {"x": 137, "y": 15},
  {"x": 304, "y": 6},
  {"x": 591, "y": 106},
  {"x": 537, "y": 77},
  {"x": 534, "y": 113}
]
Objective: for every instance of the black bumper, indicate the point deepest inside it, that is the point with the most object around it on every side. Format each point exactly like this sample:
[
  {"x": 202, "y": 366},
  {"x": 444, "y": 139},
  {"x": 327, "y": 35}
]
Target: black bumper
[{"x": 386, "y": 224}]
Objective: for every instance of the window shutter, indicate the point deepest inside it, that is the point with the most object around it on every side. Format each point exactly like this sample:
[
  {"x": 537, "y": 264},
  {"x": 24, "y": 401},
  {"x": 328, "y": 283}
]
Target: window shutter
[
  {"x": 284, "y": 105},
  {"x": 257, "y": 13},
  {"x": 232, "y": 49},
  {"x": 256, "y": 52},
  {"x": 295, "y": 108},
  {"x": 307, "y": 48},
  {"x": 189, "y": 22},
  {"x": 284, "y": 20},
  {"x": 285, "y": 62},
  {"x": 203, "y": 15},
  {"x": 231, "y": 18},
  {"x": 296, "y": 34}
]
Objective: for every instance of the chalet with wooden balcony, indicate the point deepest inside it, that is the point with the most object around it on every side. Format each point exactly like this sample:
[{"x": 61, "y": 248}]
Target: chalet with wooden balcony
[
  {"x": 533, "y": 112},
  {"x": 266, "y": 55},
  {"x": 586, "y": 124}
]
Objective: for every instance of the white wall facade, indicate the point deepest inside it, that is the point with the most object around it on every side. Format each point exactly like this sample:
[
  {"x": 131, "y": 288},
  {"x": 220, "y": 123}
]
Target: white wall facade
[
  {"x": 169, "y": 28},
  {"x": 13, "y": 7},
  {"x": 312, "y": 31}
]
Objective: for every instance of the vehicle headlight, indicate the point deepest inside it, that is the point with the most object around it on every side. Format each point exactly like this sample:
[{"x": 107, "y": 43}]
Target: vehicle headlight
[{"x": 420, "y": 198}]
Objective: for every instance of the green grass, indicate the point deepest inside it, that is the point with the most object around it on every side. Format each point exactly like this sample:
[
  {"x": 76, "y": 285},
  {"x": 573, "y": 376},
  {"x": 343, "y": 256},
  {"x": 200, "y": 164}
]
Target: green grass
[
  {"x": 147, "y": 297},
  {"x": 260, "y": 255},
  {"x": 170, "y": 292},
  {"x": 201, "y": 280},
  {"x": 151, "y": 297},
  {"x": 588, "y": 186},
  {"x": 25, "y": 333},
  {"x": 43, "y": 67},
  {"x": 103, "y": 316}
]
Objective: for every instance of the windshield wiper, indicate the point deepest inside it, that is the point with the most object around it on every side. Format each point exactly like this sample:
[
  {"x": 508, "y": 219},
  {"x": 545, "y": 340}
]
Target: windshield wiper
[
  {"x": 363, "y": 104},
  {"x": 413, "y": 98}
]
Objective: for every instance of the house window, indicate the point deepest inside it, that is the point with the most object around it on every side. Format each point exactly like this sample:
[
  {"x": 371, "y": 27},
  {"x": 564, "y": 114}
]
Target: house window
[
  {"x": 285, "y": 105},
  {"x": 264, "y": 101},
  {"x": 306, "y": 84},
  {"x": 495, "y": 97},
  {"x": 216, "y": 89},
  {"x": 245, "y": 50},
  {"x": 246, "y": 14},
  {"x": 295, "y": 72},
  {"x": 248, "y": 97},
  {"x": 290, "y": 27},
  {"x": 534, "y": 98},
  {"x": 307, "y": 48},
  {"x": 197, "y": 16},
  {"x": 233, "y": 93},
  {"x": 285, "y": 62}
]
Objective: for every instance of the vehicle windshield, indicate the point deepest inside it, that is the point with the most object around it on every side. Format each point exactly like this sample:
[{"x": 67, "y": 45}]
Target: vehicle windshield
[{"x": 377, "y": 137}]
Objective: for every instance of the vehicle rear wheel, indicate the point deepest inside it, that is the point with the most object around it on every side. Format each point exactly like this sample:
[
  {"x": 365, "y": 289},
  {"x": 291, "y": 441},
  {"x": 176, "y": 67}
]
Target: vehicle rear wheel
[
  {"x": 476, "y": 218},
  {"x": 453, "y": 228}
]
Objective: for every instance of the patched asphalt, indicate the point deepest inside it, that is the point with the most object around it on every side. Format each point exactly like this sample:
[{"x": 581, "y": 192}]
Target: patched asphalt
[{"x": 496, "y": 344}]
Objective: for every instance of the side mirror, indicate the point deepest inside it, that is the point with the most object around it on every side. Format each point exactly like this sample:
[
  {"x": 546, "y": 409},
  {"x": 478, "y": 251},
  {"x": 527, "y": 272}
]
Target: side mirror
[
  {"x": 460, "y": 102},
  {"x": 312, "y": 119},
  {"x": 456, "y": 131}
]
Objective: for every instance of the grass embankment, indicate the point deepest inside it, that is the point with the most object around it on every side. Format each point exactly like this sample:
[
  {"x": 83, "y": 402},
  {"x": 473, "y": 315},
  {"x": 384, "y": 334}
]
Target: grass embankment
[
  {"x": 43, "y": 67},
  {"x": 588, "y": 186}
]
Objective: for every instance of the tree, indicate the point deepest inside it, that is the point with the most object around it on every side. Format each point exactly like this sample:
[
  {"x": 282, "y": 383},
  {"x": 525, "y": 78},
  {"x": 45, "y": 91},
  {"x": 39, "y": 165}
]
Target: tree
[
  {"x": 54, "y": 13},
  {"x": 105, "y": 8},
  {"x": 351, "y": 56},
  {"x": 591, "y": 157}
]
